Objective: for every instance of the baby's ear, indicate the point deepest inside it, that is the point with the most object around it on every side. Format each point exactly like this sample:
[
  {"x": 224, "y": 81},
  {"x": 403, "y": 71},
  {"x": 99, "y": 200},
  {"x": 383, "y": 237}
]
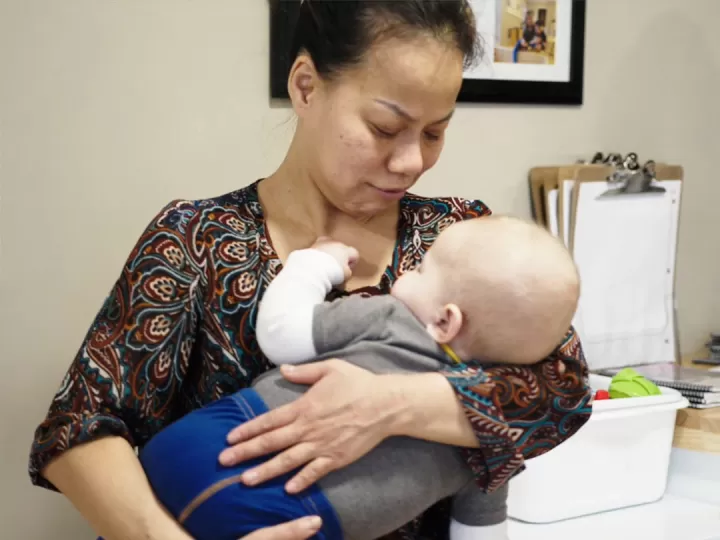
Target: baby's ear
[{"x": 446, "y": 324}]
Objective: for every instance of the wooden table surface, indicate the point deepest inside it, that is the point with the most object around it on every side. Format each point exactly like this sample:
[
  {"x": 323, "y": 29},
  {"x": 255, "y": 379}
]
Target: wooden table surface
[{"x": 697, "y": 429}]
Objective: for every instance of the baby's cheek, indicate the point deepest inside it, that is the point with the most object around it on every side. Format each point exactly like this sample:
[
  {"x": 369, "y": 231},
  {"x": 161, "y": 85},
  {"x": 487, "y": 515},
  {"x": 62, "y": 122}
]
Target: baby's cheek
[
  {"x": 399, "y": 290},
  {"x": 416, "y": 295}
]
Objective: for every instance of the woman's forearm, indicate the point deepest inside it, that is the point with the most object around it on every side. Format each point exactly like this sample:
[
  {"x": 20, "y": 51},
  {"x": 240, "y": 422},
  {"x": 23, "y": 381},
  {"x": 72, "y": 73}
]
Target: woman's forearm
[
  {"x": 429, "y": 409},
  {"x": 106, "y": 483}
]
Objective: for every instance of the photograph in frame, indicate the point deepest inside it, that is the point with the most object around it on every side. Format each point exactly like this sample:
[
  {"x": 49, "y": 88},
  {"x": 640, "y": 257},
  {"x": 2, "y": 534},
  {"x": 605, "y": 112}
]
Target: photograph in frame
[{"x": 533, "y": 51}]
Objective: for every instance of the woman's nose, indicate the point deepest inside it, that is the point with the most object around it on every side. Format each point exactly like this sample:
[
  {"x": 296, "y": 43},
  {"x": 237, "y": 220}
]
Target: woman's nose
[{"x": 407, "y": 160}]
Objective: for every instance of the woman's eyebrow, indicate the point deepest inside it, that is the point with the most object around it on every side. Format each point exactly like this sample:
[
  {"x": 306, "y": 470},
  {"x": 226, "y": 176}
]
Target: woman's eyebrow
[{"x": 394, "y": 107}]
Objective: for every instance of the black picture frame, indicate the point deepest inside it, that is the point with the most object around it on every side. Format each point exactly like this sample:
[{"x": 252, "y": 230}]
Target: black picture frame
[
  {"x": 538, "y": 92},
  {"x": 283, "y": 15}
]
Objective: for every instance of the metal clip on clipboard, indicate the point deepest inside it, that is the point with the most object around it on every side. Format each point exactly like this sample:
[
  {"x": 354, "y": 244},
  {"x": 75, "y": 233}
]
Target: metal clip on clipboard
[{"x": 630, "y": 178}]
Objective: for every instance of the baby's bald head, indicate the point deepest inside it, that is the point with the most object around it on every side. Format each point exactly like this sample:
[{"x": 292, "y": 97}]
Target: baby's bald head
[{"x": 515, "y": 284}]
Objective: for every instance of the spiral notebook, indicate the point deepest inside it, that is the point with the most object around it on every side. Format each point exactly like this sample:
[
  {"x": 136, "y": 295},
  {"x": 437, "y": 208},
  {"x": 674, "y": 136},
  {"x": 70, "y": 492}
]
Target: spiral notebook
[{"x": 698, "y": 382}]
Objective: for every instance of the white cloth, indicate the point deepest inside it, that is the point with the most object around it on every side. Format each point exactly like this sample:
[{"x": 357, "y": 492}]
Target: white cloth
[
  {"x": 284, "y": 327},
  {"x": 460, "y": 531}
]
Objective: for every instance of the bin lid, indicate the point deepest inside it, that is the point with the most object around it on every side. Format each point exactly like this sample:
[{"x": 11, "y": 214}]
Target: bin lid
[{"x": 669, "y": 398}]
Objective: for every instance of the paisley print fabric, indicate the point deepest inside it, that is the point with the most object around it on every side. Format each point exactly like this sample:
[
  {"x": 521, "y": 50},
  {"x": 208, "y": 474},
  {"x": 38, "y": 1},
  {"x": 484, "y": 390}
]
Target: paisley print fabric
[{"x": 177, "y": 331}]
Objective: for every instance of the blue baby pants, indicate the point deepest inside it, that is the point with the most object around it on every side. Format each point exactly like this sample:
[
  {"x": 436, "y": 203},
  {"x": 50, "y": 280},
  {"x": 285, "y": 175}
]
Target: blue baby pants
[{"x": 209, "y": 499}]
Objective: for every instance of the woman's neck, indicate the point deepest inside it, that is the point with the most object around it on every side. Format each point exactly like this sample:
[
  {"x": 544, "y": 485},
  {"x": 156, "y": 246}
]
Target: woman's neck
[
  {"x": 297, "y": 213},
  {"x": 292, "y": 189},
  {"x": 301, "y": 203}
]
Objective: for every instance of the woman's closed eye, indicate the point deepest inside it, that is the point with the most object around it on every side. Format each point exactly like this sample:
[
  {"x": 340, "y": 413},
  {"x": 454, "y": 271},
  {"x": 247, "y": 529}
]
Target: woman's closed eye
[{"x": 386, "y": 133}]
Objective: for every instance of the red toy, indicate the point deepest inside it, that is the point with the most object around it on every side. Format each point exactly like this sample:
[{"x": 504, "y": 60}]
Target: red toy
[{"x": 602, "y": 394}]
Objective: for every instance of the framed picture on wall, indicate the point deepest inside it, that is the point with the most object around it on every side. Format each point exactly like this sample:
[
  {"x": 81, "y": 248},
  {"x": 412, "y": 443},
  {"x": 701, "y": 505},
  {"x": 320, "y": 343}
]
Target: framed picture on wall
[{"x": 533, "y": 51}]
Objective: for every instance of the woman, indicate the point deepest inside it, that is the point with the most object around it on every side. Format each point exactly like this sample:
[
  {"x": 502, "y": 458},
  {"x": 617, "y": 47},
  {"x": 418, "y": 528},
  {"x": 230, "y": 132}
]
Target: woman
[{"x": 373, "y": 86}]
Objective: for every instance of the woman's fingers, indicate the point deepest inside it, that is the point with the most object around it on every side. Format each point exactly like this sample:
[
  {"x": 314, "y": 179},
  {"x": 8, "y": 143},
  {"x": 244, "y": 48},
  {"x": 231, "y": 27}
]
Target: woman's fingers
[
  {"x": 311, "y": 473},
  {"x": 299, "y": 529},
  {"x": 283, "y": 463},
  {"x": 261, "y": 445},
  {"x": 274, "y": 419},
  {"x": 308, "y": 374},
  {"x": 338, "y": 420}
]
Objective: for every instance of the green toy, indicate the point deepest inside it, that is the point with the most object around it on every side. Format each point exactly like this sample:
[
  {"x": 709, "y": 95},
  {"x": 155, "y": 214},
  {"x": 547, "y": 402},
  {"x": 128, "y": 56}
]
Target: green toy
[{"x": 628, "y": 383}]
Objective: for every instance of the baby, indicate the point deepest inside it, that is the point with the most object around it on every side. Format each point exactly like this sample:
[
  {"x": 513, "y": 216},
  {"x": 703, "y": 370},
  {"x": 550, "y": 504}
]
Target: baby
[{"x": 490, "y": 290}]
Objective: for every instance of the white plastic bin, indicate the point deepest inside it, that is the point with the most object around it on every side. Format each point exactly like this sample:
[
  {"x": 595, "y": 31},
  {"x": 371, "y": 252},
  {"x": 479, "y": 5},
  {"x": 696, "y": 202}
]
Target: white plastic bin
[{"x": 618, "y": 459}]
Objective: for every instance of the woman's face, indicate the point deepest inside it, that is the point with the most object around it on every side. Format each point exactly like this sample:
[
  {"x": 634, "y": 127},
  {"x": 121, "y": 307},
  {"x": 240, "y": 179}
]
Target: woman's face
[{"x": 371, "y": 132}]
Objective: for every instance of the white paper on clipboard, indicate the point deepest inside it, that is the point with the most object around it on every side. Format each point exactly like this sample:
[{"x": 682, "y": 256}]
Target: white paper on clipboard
[
  {"x": 625, "y": 249},
  {"x": 551, "y": 204},
  {"x": 567, "y": 188}
]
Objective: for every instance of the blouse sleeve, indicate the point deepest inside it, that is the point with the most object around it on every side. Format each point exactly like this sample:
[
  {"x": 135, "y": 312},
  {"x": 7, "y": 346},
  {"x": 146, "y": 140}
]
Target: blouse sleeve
[
  {"x": 521, "y": 412},
  {"x": 127, "y": 373}
]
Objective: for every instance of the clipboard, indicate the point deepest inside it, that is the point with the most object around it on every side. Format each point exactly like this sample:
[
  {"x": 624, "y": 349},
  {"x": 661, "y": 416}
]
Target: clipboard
[
  {"x": 592, "y": 173},
  {"x": 539, "y": 180},
  {"x": 567, "y": 177},
  {"x": 543, "y": 181},
  {"x": 625, "y": 248}
]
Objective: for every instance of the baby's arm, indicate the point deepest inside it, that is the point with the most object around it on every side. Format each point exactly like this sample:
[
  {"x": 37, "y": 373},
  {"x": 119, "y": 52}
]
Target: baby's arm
[{"x": 285, "y": 316}]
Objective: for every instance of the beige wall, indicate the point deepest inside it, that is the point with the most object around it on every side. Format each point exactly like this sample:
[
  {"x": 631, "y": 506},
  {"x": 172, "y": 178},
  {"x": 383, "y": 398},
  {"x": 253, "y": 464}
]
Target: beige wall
[{"x": 108, "y": 109}]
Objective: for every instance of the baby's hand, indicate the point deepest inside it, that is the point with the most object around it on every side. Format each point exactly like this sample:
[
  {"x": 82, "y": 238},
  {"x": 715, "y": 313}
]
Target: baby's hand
[{"x": 345, "y": 255}]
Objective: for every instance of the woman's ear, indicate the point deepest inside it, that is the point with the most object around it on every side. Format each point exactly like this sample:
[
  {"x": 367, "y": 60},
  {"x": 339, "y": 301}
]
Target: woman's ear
[
  {"x": 447, "y": 324},
  {"x": 302, "y": 83}
]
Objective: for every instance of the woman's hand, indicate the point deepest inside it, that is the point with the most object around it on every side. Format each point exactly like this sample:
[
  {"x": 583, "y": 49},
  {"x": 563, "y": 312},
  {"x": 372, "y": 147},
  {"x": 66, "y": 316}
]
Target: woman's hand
[
  {"x": 300, "y": 529},
  {"x": 345, "y": 414}
]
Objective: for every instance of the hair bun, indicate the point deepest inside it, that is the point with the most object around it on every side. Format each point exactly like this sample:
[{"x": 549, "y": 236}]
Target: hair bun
[{"x": 337, "y": 34}]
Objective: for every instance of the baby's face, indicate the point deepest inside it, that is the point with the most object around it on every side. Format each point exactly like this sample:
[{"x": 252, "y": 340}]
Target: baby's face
[
  {"x": 421, "y": 289},
  {"x": 498, "y": 289}
]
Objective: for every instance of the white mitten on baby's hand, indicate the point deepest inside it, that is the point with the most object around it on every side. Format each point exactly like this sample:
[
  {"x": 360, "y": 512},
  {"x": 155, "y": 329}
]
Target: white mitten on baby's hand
[{"x": 345, "y": 255}]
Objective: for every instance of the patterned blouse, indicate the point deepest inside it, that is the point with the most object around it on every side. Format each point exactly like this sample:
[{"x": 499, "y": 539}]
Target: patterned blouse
[{"x": 177, "y": 331}]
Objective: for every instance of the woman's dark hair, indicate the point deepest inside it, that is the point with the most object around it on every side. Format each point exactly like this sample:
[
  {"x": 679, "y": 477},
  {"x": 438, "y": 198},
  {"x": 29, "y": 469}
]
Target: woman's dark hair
[{"x": 337, "y": 34}]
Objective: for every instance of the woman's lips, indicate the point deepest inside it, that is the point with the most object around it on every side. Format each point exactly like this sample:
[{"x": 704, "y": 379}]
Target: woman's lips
[{"x": 394, "y": 194}]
